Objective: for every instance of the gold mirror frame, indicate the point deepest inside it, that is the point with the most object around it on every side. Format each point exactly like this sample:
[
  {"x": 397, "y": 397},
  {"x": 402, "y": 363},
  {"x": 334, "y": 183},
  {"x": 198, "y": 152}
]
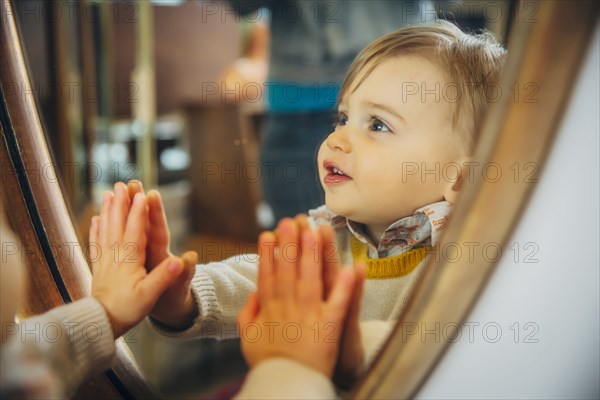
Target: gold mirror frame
[{"x": 547, "y": 52}]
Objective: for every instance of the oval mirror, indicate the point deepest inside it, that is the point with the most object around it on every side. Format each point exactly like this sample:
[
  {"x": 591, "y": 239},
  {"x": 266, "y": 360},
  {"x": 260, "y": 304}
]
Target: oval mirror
[{"x": 99, "y": 91}]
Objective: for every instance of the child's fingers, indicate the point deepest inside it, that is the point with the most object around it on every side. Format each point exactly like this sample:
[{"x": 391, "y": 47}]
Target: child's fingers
[
  {"x": 158, "y": 219},
  {"x": 134, "y": 186},
  {"x": 182, "y": 283},
  {"x": 94, "y": 229},
  {"x": 310, "y": 286},
  {"x": 190, "y": 259},
  {"x": 158, "y": 230},
  {"x": 359, "y": 283},
  {"x": 105, "y": 221},
  {"x": 266, "y": 267},
  {"x": 249, "y": 311},
  {"x": 159, "y": 279},
  {"x": 302, "y": 221},
  {"x": 339, "y": 300},
  {"x": 93, "y": 242},
  {"x": 119, "y": 211},
  {"x": 329, "y": 257},
  {"x": 351, "y": 353},
  {"x": 135, "y": 230},
  {"x": 287, "y": 259}
]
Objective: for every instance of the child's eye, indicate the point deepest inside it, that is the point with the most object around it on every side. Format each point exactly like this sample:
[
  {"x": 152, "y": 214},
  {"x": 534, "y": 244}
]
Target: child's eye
[
  {"x": 378, "y": 126},
  {"x": 342, "y": 120}
]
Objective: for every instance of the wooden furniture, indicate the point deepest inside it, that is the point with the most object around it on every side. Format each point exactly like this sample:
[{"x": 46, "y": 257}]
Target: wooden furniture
[{"x": 224, "y": 173}]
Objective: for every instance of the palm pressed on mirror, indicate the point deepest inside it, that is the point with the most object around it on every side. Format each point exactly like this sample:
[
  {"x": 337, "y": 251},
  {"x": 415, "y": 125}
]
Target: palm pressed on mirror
[{"x": 96, "y": 140}]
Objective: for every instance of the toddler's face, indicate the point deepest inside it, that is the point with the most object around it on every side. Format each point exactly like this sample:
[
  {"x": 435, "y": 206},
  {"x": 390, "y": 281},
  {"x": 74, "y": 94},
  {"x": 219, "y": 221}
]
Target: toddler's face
[{"x": 393, "y": 149}]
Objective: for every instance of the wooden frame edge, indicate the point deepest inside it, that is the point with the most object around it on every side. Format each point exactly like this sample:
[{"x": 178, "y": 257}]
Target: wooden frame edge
[{"x": 40, "y": 201}]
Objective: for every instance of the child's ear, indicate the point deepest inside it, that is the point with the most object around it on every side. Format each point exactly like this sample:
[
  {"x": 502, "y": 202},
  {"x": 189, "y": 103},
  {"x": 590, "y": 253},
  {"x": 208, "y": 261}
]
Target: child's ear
[{"x": 456, "y": 175}]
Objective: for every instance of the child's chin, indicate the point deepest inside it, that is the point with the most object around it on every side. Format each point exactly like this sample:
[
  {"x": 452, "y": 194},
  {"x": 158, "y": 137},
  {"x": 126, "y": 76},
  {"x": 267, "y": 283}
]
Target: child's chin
[{"x": 337, "y": 208}]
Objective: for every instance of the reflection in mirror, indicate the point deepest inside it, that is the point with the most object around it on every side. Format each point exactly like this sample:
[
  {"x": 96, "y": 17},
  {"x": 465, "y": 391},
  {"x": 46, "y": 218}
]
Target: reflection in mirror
[
  {"x": 446, "y": 304},
  {"x": 187, "y": 97}
]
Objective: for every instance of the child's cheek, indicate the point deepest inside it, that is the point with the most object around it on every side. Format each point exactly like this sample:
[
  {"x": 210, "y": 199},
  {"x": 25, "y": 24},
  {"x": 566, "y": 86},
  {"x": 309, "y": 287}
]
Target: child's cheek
[{"x": 320, "y": 158}]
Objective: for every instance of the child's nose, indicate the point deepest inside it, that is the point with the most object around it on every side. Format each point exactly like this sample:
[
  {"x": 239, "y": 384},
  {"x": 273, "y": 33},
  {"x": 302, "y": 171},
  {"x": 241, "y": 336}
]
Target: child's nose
[{"x": 339, "y": 140}]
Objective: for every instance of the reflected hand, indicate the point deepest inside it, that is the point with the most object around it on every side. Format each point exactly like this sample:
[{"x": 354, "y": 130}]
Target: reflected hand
[
  {"x": 291, "y": 294},
  {"x": 176, "y": 307},
  {"x": 120, "y": 281},
  {"x": 157, "y": 230},
  {"x": 351, "y": 358}
]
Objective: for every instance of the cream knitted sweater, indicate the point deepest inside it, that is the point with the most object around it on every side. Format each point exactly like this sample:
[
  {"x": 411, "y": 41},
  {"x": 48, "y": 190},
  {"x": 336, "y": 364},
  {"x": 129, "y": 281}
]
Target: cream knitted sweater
[{"x": 221, "y": 288}]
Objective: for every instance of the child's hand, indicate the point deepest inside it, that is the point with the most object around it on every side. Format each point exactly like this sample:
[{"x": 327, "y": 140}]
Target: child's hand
[
  {"x": 176, "y": 307},
  {"x": 351, "y": 358},
  {"x": 120, "y": 282},
  {"x": 289, "y": 316},
  {"x": 157, "y": 230}
]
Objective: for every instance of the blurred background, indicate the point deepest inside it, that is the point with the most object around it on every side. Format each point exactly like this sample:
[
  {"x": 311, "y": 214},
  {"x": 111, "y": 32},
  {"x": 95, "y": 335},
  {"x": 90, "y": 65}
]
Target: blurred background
[{"x": 173, "y": 93}]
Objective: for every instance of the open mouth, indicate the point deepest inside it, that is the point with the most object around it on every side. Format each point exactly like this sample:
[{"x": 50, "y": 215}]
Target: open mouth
[{"x": 334, "y": 173}]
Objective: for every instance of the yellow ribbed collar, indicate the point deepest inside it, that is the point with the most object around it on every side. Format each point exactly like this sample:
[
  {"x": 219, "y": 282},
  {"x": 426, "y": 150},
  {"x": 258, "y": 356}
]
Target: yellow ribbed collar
[{"x": 388, "y": 267}]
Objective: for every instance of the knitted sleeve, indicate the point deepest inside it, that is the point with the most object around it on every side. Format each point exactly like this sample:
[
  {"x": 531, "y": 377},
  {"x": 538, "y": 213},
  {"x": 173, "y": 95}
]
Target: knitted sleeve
[
  {"x": 53, "y": 353},
  {"x": 283, "y": 378},
  {"x": 220, "y": 290}
]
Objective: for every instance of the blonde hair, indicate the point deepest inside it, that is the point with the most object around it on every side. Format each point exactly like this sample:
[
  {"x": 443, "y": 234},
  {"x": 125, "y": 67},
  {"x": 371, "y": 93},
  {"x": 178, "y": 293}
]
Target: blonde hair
[{"x": 472, "y": 61}]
